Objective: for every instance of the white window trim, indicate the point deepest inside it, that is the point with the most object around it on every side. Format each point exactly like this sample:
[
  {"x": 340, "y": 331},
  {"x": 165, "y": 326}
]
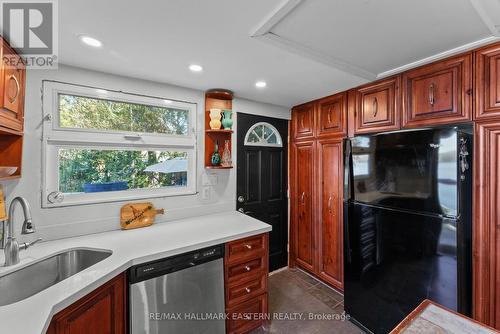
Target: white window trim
[
  {"x": 265, "y": 144},
  {"x": 54, "y": 137}
]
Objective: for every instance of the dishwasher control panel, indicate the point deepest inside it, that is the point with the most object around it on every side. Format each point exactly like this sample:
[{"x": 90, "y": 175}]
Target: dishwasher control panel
[{"x": 175, "y": 263}]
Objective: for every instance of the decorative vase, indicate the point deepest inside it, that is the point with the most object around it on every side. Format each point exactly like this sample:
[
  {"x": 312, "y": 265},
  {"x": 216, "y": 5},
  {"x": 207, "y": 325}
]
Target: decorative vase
[
  {"x": 227, "y": 122},
  {"x": 215, "y": 115},
  {"x": 215, "y": 160},
  {"x": 226, "y": 155}
]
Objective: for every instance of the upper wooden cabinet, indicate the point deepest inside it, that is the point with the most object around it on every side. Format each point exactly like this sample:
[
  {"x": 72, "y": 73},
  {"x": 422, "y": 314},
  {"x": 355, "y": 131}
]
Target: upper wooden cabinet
[
  {"x": 12, "y": 86},
  {"x": 439, "y": 93},
  {"x": 377, "y": 106},
  {"x": 101, "y": 311},
  {"x": 331, "y": 115},
  {"x": 303, "y": 121},
  {"x": 487, "y": 67}
]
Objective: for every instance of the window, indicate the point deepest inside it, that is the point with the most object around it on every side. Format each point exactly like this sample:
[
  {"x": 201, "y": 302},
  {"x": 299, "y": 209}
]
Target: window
[
  {"x": 263, "y": 134},
  {"x": 102, "y": 146}
]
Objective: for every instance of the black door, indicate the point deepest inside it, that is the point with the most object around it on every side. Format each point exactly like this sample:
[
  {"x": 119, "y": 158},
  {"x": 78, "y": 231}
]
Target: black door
[{"x": 262, "y": 178}]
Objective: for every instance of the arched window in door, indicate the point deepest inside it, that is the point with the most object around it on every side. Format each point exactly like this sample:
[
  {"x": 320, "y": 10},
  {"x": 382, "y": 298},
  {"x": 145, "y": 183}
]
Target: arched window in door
[{"x": 263, "y": 134}]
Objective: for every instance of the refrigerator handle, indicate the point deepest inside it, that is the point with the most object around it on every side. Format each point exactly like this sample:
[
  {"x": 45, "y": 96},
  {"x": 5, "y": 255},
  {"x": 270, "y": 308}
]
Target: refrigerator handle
[{"x": 347, "y": 197}]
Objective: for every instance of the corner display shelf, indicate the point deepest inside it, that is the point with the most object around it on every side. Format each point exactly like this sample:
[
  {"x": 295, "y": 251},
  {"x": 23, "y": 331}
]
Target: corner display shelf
[{"x": 220, "y": 99}]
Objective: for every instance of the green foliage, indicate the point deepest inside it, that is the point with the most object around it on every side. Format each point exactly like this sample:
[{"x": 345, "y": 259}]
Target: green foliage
[{"x": 79, "y": 166}]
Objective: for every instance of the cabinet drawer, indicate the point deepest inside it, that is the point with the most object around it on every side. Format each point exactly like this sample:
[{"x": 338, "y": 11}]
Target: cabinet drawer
[
  {"x": 242, "y": 290},
  {"x": 247, "y": 248},
  {"x": 247, "y": 316},
  {"x": 438, "y": 93},
  {"x": 245, "y": 269},
  {"x": 303, "y": 121}
]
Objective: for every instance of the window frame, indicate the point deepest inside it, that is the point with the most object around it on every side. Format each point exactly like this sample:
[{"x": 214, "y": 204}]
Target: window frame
[
  {"x": 54, "y": 137},
  {"x": 266, "y": 144}
]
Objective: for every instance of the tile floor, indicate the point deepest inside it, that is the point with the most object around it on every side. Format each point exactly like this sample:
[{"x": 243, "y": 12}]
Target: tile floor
[{"x": 294, "y": 293}]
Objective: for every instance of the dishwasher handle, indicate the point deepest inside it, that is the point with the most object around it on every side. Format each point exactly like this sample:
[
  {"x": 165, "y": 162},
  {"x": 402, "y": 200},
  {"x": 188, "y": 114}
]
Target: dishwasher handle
[{"x": 175, "y": 263}]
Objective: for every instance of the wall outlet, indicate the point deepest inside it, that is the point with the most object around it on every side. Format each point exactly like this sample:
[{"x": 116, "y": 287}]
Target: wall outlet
[{"x": 205, "y": 193}]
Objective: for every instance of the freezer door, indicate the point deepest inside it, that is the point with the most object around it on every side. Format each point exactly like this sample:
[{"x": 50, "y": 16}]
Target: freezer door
[
  {"x": 196, "y": 292},
  {"x": 397, "y": 260}
]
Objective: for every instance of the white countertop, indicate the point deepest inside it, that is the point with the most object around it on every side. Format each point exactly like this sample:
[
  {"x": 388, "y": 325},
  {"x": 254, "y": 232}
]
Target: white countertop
[{"x": 33, "y": 314}]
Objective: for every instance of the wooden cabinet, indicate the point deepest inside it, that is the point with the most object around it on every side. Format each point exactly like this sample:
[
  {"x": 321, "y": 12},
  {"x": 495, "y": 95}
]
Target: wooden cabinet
[
  {"x": 12, "y": 87},
  {"x": 246, "y": 269},
  {"x": 331, "y": 115},
  {"x": 302, "y": 174},
  {"x": 486, "y": 226},
  {"x": 378, "y": 106},
  {"x": 487, "y": 81},
  {"x": 330, "y": 229},
  {"x": 302, "y": 126},
  {"x": 101, "y": 311},
  {"x": 439, "y": 93}
]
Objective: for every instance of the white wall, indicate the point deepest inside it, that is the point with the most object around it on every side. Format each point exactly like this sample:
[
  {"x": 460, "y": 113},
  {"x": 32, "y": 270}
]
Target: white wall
[{"x": 55, "y": 223}]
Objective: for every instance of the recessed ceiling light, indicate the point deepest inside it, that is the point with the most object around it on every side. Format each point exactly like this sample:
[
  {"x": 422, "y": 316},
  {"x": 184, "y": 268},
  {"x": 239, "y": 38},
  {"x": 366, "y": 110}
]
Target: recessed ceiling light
[
  {"x": 260, "y": 84},
  {"x": 195, "y": 68},
  {"x": 168, "y": 101},
  {"x": 101, "y": 91},
  {"x": 90, "y": 41}
]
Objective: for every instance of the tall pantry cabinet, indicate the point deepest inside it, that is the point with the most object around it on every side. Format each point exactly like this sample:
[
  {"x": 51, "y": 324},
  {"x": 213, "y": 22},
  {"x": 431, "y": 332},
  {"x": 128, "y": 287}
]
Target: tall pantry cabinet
[{"x": 316, "y": 170}]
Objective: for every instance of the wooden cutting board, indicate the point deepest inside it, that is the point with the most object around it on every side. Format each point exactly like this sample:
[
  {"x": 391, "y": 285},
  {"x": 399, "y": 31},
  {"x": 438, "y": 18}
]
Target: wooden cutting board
[
  {"x": 135, "y": 215},
  {"x": 3, "y": 214}
]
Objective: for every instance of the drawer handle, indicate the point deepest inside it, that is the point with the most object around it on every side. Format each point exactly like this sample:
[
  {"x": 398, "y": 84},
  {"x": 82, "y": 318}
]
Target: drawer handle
[
  {"x": 248, "y": 268},
  {"x": 431, "y": 94},
  {"x": 18, "y": 88},
  {"x": 302, "y": 197},
  {"x": 248, "y": 246},
  {"x": 330, "y": 203},
  {"x": 248, "y": 290},
  {"x": 375, "y": 107}
]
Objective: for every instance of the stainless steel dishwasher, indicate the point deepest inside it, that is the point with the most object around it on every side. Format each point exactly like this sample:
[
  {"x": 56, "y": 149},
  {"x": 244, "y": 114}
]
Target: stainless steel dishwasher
[{"x": 179, "y": 294}]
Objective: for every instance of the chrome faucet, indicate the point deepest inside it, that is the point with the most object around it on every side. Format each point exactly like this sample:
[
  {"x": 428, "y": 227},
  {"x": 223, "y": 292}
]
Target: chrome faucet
[{"x": 12, "y": 247}]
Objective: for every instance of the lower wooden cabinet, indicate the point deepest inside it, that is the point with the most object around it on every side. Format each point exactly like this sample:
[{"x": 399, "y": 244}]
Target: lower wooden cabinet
[
  {"x": 486, "y": 227},
  {"x": 316, "y": 183},
  {"x": 302, "y": 191},
  {"x": 102, "y": 311},
  {"x": 246, "y": 270},
  {"x": 330, "y": 227}
]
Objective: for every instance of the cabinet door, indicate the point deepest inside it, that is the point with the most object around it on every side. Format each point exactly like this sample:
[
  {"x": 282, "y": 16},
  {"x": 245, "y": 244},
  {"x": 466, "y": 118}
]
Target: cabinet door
[
  {"x": 330, "y": 232},
  {"x": 102, "y": 311},
  {"x": 377, "y": 106},
  {"x": 486, "y": 225},
  {"x": 303, "y": 178},
  {"x": 331, "y": 115},
  {"x": 12, "y": 85},
  {"x": 303, "y": 121},
  {"x": 487, "y": 65},
  {"x": 438, "y": 93}
]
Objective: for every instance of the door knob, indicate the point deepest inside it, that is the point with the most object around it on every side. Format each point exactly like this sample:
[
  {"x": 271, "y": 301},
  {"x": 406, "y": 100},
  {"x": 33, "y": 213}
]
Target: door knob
[{"x": 241, "y": 199}]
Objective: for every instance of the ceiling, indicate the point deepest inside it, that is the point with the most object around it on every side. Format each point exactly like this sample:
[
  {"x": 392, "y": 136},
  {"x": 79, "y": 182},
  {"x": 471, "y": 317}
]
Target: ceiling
[{"x": 303, "y": 49}]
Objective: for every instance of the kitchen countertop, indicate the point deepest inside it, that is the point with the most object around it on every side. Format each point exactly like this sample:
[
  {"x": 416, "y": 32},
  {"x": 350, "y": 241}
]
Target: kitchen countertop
[
  {"x": 430, "y": 317},
  {"x": 131, "y": 247}
]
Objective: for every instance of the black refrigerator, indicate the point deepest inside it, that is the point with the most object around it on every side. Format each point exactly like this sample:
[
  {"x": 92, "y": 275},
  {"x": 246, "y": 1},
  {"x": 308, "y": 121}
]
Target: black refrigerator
[{"x": 407, "y": 224}]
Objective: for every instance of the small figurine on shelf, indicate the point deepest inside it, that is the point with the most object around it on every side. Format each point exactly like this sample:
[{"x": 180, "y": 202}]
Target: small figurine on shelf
[
  {"x": 227, "y": 122},
  {"x": 215, "y": 160},
  {"x": 226, "y": 155},
  {"x": 215, "y": 115}
]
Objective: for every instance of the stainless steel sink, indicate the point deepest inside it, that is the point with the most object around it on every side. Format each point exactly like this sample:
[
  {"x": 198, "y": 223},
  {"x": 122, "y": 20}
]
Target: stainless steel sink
[{"x": 40, "y": 275}]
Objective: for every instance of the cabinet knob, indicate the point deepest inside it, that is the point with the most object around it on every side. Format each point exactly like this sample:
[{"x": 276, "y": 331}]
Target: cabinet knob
[
  {"x": 248, "y": 246},
  {"x": 247, "y": 268},
  {"x": 248, "y": 290}
]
